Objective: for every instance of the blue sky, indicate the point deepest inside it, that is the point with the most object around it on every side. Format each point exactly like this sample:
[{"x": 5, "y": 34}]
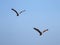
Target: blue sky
[{"x": 43, "y": 14}]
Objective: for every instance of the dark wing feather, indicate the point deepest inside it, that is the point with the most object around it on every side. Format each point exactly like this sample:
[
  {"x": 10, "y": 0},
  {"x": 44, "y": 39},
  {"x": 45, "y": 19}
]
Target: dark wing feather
[
  {"x": 22, "y": 11},
  {"x": 38, "y": 31},
  {"x": 45, "y": 30},
  {"x": 15, "y": 11}
]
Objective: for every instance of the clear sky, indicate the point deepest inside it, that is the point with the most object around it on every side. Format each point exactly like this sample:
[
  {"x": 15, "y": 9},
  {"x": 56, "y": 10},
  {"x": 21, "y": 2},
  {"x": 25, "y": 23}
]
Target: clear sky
[{"x": 43, "y": 14}]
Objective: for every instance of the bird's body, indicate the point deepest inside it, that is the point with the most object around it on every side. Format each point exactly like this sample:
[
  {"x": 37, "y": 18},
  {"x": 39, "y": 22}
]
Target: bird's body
[{"x": 40, "y": 31}]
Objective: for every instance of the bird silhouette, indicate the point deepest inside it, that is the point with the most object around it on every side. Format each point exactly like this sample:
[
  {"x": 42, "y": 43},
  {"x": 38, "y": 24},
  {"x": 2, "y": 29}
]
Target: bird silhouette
[
  {"x": 40, "y": 31},
  {"x": 17, "y": 12}
]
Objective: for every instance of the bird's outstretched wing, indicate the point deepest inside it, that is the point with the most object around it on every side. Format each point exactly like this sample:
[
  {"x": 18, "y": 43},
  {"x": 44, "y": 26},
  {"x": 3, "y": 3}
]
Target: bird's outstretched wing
[
  {"x": 22, "y": 11},
  {"x": 45, "y": 30},
  {"x": 38, "y": 31},
  {"x": 15, "y": 11}
]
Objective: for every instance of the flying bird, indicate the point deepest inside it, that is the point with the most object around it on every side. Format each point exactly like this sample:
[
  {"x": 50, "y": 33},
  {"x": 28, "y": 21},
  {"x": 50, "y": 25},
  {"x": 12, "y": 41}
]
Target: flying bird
[
  {"x": 40, "y": 31},
  {"x": 17, "y": 12}
]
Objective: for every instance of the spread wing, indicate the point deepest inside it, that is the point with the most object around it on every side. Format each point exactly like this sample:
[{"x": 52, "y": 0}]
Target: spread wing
[
  {"x": 15, "y": 11},
  {"x": 22, "y": 11},
  {"x": 38, "y": 31},
  {"x": 45, "y": 30}
]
